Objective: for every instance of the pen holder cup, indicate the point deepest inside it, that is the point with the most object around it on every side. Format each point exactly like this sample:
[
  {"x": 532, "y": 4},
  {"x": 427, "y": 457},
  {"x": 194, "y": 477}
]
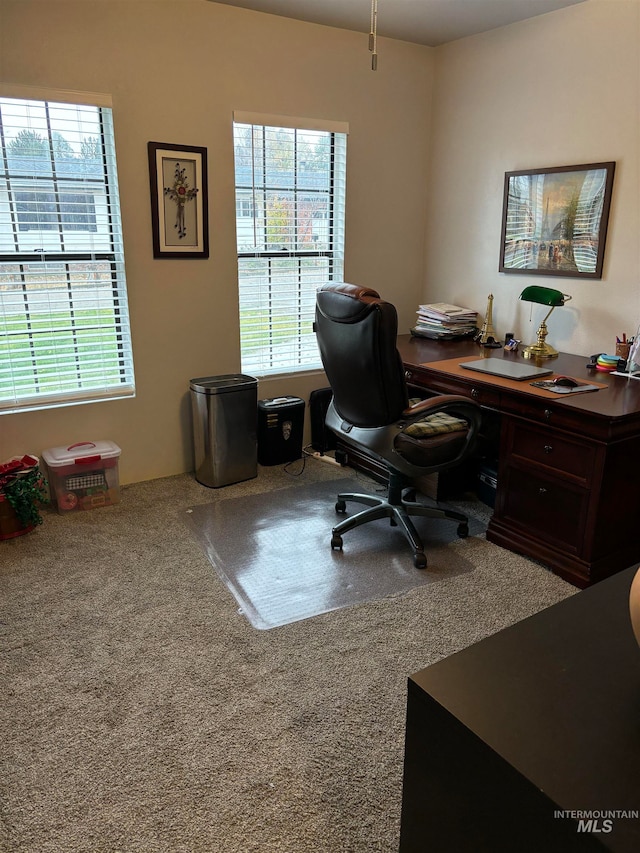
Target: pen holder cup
[{"x": 622, "y": 350}]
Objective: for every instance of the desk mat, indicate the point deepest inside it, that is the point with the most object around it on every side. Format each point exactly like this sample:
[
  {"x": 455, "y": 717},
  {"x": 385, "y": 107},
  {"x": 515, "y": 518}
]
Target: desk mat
[{"x": 452, "y": 367}]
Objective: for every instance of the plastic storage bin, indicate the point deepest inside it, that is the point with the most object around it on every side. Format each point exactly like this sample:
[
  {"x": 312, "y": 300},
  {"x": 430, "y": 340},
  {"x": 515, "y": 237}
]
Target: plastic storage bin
[
  {"x": 224, "y": 428},
  {"x": 84, "y": 475}
]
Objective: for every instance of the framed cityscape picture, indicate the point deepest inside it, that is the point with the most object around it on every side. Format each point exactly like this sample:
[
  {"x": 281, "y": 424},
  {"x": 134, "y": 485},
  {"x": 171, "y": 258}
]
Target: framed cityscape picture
[
  {"x": 554, "y": 221},
  {"x": 179, "y": 205}
]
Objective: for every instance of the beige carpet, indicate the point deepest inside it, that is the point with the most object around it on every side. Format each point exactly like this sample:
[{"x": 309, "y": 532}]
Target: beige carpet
[{"x": 142, "y": 712}]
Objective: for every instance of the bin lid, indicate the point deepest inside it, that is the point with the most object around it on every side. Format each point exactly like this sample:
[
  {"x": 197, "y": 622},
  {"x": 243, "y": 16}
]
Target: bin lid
[
  {"x": 81, "y": 451},
  {"x": 222, "y": 384}
]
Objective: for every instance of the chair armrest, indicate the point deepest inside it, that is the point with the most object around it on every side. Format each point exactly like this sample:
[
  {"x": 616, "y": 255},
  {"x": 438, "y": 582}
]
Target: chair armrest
[{"x": 435, "y": 404}]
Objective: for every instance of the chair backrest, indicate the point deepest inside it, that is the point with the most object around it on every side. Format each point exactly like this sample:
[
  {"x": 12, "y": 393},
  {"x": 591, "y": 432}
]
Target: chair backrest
[{"x": 356, "y": 332}]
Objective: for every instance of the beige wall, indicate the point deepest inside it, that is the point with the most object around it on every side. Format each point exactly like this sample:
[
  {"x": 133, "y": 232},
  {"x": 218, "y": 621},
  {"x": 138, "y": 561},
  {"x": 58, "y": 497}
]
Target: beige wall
[
  {"x": 560, "y": 89},
  {"x": 176, "y": 70}
]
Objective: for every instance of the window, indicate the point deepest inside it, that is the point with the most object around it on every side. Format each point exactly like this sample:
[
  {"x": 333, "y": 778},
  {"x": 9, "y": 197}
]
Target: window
[
  {"x": 39, "y": 211},
  {"x": 244, "y": 205},
  {"x": 290, "y": 195},
  {"x": 64, "y": 323}
]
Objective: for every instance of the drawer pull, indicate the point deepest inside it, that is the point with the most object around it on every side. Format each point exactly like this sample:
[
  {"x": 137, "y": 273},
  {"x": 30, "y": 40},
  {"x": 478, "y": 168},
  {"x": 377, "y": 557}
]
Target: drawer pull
[
  {"x": 547, "y": 414},
  {"x": 408, "y": 375},
  {"x": 548, "y": 448},
  {"x": 475, "y": 393},
  {"x": 542, "y": 491}
]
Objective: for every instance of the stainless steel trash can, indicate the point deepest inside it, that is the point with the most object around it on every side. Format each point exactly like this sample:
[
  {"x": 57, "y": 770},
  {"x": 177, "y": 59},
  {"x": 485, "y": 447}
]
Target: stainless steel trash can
[{"x": 224, "y": 412}]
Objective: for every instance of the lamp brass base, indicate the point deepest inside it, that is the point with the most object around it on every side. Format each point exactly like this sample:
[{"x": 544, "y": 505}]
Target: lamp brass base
[{"x": 539, "y": 351}]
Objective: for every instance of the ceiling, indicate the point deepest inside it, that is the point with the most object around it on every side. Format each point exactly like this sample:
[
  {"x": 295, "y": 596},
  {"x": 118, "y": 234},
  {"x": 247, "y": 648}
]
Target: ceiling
[{"x": 428, "y": 22}]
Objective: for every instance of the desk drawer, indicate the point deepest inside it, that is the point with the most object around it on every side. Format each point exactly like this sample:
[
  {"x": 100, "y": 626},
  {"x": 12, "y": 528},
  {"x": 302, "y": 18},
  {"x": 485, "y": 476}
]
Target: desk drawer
[
  {"x": 545, "y": 508},
  {"x": 549, "y": 412},
  {"x": 552, "y": 450},
  {"x": 484, "y": 395}
]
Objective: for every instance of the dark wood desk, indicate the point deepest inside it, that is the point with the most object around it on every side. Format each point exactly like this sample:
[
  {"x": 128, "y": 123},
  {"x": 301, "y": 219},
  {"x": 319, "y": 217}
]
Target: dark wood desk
[
  {"x": 539, "y": 720},
  {"x": 567, "y": 493}
]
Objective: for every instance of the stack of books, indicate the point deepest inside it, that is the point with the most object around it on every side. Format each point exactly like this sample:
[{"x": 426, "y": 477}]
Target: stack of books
[{"x": 441, "y": 321}]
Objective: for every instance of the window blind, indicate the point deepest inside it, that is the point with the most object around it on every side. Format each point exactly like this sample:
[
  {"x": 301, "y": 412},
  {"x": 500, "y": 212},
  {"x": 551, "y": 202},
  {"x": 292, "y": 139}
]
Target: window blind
[
  {"x": 64, "y": 323},
  {"x": 290, "y": 200}
]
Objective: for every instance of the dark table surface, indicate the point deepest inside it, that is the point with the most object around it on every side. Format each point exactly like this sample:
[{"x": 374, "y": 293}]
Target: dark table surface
[
  {"x": 558, "y": 697},
  {"x": 621, "y": 397}
]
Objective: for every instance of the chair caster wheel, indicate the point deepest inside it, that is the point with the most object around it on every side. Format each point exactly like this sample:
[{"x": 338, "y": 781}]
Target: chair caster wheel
[
  {"x": 336, "y": 542},
  {"x": 463, "y": 530},
  {"x": 341, "y": 507},
  {"x": 419, "y": 560}
]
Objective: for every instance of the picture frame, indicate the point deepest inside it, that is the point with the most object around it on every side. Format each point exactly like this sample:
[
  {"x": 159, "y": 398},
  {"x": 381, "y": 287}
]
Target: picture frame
[
  {"x": 179, "y": 200},
  {"x": 554, "y": 221}
]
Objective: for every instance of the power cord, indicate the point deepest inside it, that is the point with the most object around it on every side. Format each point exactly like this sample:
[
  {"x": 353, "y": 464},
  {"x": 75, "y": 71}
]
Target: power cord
[
  {"x": 287, "y": 467},
  {"x": 309, "y": 452}
]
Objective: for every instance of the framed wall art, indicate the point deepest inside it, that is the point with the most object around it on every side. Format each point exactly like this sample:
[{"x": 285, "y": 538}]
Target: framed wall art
[
  {"x": 179, "y": 203},
  {"x": 554, "y": 221}
]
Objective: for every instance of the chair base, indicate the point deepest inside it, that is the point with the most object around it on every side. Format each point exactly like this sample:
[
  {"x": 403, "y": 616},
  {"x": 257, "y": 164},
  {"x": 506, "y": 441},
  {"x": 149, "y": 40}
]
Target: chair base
[{"x": 398, "y": 507}]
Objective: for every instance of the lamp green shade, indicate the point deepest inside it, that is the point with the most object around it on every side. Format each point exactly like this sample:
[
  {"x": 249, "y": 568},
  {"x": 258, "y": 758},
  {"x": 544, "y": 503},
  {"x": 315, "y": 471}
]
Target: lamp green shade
[{"x": 543, "y": 296}]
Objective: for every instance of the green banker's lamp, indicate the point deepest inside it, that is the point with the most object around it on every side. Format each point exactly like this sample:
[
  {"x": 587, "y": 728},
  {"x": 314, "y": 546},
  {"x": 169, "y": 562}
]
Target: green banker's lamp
[{"x": 542, "y": 296}]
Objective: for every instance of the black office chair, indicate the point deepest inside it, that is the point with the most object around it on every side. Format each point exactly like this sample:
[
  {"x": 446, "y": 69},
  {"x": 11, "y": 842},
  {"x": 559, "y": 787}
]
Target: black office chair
[{"x": 356, "y": 333}]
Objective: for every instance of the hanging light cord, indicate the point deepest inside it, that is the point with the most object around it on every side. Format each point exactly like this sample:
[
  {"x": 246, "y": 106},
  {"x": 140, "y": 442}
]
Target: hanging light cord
[{"x": 373, "y": 35}]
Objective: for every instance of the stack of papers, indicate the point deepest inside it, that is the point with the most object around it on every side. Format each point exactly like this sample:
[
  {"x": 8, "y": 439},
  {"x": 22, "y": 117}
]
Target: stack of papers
[{"x": 442, "y": 321}]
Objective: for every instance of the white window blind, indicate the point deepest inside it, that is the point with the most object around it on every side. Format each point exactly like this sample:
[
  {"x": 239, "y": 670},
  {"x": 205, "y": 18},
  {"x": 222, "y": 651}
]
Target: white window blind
[
  {"x": 64, "y": 323},
  {"x": 290, "y": 198}
]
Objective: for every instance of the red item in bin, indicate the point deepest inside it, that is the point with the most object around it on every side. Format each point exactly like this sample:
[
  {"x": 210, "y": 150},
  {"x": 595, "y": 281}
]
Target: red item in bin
[
  {"x": 8, "y": 470},
  {"x": 11, "y": 467}
]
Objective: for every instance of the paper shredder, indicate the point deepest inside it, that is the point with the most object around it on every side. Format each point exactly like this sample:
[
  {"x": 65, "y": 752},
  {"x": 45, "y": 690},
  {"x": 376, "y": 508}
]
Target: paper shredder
[{"x": 280, "y": 428}]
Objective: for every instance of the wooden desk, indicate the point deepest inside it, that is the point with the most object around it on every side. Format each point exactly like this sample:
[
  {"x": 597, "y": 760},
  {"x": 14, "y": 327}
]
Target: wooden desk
[
  {"x": 507, "y": 738},
  {"x": 567, "y": 493}
]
